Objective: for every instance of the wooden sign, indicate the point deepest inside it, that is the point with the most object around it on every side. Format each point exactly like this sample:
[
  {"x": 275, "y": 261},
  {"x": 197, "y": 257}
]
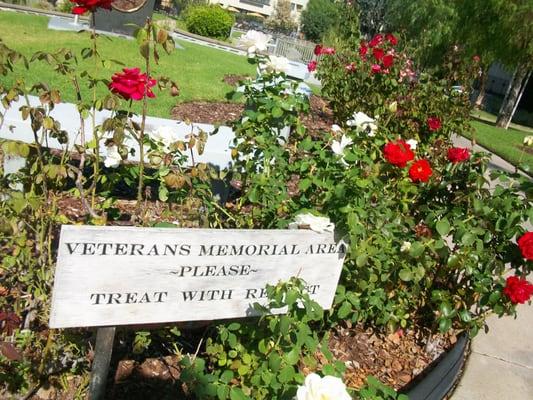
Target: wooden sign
[{"x": 107, "y": 276}]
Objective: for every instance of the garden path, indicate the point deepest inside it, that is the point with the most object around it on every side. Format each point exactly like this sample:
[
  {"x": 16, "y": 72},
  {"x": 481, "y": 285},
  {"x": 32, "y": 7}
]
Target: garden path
[{"x": 501, "y": 363}]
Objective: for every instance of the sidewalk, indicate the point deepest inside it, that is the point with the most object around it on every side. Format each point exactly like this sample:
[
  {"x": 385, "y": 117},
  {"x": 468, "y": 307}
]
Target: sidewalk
[{"x": 500, "y": 366}]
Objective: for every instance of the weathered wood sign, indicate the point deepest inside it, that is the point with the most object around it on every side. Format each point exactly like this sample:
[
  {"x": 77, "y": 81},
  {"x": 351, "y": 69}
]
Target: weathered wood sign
[{"x": 107, "y": 276}]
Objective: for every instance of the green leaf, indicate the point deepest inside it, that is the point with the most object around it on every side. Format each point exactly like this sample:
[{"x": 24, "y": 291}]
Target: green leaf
[
  {"x": 416, "y": 249},
  {"x": 443, "y": 227},
  {"x": 406, "y": 275},
  {"x": 468, "y": 239},
  {"x": 237, "y": 394},
  {"x": 277, "y": 112},
  {"x": 344, "y": 310},
  {"x": 286, "y": 374},
  {"x": 293, "y": 356}
]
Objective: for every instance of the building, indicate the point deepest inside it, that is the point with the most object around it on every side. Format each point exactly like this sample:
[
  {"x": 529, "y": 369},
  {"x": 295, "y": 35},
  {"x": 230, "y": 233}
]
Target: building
[{"x": 262, "y": 7}]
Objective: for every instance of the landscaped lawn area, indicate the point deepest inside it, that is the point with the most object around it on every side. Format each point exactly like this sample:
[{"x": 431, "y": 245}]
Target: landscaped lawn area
[
  {"x": 508, "y": 144},
  {"x": 198, "y": 70}
]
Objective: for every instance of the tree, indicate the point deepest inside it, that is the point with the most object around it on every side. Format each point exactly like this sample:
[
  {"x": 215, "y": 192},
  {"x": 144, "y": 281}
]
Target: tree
[
  {"x": 281, "y": 20},
  {"x": 318, "y": 18},
  {"x": 372, "y": 16}
]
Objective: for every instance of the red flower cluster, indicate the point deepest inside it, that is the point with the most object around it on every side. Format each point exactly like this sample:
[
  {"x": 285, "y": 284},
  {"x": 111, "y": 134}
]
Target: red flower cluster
[
  {"x": 434, "y": 124},
  {"x": 458, "y": 154},
  {"x": 90, "y": 5},
  {"x": 525, "y": 243},
  {"x": 398, "y": 153},
  {"x": 420, "y": 171},
  {"x": 131, "y": 84},
  {"x": 312, "y": 66},
  {"x": 518, "y": 289},
  {"x": 384, "y": 60},
  {"x": 321, "y": 50}
]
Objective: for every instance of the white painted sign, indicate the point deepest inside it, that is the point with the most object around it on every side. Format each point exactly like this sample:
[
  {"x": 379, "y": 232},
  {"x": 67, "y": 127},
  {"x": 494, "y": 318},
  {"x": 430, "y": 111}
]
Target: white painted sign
[{"x": 128, "y": 276}]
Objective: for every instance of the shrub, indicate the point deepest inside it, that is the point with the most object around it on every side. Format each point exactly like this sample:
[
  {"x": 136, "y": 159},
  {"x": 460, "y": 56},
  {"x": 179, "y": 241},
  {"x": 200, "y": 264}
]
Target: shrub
[
  {"x": 318, "y": 17},
  {"x": 211, "y": 21}
]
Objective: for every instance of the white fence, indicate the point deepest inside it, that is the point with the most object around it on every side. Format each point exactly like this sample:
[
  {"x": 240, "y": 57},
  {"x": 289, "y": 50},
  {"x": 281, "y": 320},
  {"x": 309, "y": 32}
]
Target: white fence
[{"x": 294, "y": 49}]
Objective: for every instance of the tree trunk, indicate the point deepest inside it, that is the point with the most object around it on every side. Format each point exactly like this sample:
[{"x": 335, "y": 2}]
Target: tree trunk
[
  {"x": 509, "y": 102},
  {"x": 482, "y": 85}
]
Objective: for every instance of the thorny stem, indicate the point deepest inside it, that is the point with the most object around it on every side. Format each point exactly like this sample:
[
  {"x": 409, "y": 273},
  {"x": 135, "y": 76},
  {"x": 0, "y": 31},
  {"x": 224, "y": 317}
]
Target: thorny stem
[
  {"x": 93, "y": 116},
  {"x": 143, "y": 119}
]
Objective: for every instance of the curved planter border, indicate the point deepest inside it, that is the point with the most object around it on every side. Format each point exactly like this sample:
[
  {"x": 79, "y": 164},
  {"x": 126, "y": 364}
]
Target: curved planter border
[{"x": 439, "y": 379}]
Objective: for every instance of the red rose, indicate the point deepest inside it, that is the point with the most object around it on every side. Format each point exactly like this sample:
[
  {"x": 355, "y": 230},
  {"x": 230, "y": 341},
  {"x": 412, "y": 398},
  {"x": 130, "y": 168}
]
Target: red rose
[
  {"x": 398, "y": 153},
  {"x": 476, "y": 59},
  {"x": 318, "y": 50},
  {"x": 131, "y": 84},
  {"x": 312, "y": 66},
  {"x": 376, "y": 68},
  {"x": 518, "y": 289},
  {"x": 387, "y": 60},
  {"x": 420, "y": 171},
  {"x": 378, "y": 53},
  {"x": 350, "y": 67},
  {"x": 90, "y": 5},
  {"x": 458, "y": 154},
  {"x": 434, "y": 123},
  {"x": 525, "y": 243},
  {"x": 363, "y": 49},
  {"x": 391, "y": 39},
  {"x": 376, "y": 40}
]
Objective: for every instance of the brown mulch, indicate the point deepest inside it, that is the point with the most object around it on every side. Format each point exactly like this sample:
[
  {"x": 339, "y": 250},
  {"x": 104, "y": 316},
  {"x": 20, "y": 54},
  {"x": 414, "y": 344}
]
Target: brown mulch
[
  {"x": 394, "y": 359},
  {"x": 320, "y": 117},
  {"x": 207, "y": 112}
]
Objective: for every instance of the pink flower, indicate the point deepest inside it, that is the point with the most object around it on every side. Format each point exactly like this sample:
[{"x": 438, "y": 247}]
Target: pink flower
[
  {"x": 476, "y": 59},
  {"x": 131, "y": 84},
  {"x": 375, "y": 69},
  {"x": 312, "y": 66},
  {"x": 350, "y": 67},
  {"x": 328, "y": 51}
]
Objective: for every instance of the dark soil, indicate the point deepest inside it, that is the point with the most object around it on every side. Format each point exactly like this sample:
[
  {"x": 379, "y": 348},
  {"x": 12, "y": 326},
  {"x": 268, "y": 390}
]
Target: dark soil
[{"x": 320, "y": 117}]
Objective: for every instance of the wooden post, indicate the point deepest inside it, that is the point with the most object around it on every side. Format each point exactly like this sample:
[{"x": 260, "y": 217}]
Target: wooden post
[{"x": 102, "y": 358}]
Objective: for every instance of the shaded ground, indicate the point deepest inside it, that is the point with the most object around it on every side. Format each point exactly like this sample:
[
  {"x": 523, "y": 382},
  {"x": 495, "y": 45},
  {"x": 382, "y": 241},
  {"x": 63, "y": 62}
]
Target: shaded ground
[{"x": 394, "y": 359}]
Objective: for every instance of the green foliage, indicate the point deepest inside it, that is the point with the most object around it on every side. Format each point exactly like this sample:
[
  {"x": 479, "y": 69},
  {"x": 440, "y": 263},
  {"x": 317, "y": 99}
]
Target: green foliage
[
  {"x": 318, "y": 18},
  {"x": 261, "y": 359},
  {"x": 209, "y": 20},
  {"x": 375, "y": 390}
]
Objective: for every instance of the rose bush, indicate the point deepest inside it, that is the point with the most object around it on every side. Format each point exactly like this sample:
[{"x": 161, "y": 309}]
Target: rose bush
[{"x": 432, "y": 234}]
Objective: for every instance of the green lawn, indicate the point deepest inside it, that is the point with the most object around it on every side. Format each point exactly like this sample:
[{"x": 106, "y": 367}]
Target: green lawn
[
  {"x": 198, "y": 70},
  {"x": 505, "y": 143}
]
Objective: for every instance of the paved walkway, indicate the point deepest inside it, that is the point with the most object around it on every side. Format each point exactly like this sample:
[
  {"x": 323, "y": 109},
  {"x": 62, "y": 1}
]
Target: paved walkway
[{"x": 501, "y": 364}]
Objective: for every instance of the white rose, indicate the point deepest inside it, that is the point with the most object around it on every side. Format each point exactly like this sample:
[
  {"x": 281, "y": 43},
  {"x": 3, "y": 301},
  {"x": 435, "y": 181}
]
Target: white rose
[
  {"x": 406, "y": 246},
  {"x": 336, "y": 128},
  {"x": 528, "y": 141},
  {"x": 113, "y": 158},
  {"x": 276, "y": 64},
  {"x": 363, "y": 123},
  {"x": 254, "y": 41},
  {"x": 317, "y": 224},
  {"x": 326, "y": 388},
  {"x": 164, "y": 134},
  {"x": 338, "y": 146},
  {"x": 412, "y": 144}
]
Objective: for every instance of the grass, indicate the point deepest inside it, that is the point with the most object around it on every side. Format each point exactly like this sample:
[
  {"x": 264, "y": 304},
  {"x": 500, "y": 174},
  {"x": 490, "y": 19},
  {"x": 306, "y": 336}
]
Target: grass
[
  {"x": 508, "y": 144},
  {"x": 198, "y": 70}
]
